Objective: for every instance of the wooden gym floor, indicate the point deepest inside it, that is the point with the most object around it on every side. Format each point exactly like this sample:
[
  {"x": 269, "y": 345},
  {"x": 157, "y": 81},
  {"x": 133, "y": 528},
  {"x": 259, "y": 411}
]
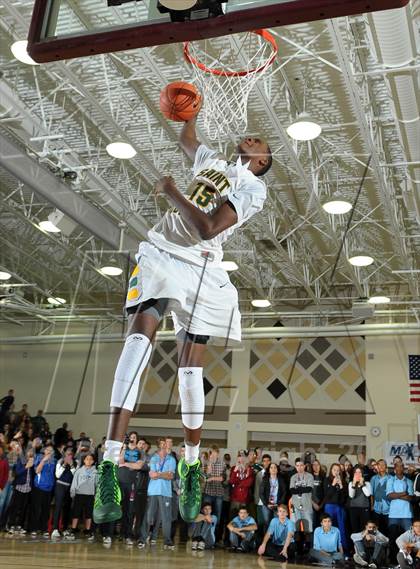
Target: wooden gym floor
[{"x": 23, "y": 553}]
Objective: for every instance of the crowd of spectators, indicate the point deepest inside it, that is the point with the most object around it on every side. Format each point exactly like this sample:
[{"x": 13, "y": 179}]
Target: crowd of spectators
[{"x": 366, "y": 512}]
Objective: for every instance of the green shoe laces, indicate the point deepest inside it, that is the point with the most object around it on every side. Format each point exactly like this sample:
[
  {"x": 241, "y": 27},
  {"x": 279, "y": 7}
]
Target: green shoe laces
[
  {"x": 190, "y": 474},
  {"x": 108, "y": 488}
]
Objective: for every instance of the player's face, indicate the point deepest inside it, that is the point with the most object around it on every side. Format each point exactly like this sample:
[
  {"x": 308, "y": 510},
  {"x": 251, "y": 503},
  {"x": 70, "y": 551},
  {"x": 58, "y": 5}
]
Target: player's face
[{"x": 255, "y": 149}]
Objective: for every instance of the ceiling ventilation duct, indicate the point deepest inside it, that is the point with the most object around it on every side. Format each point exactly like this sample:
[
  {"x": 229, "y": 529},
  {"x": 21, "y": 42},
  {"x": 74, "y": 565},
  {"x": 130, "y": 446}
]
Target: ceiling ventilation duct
[{"x": 393, "y": 38}]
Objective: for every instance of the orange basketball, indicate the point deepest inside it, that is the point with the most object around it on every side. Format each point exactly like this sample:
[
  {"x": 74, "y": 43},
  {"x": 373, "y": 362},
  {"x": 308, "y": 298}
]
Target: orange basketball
[{"x": 180, "y": 101}]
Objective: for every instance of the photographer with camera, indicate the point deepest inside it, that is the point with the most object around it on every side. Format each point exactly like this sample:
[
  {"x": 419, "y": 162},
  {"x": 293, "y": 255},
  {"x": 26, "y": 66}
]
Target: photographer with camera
[
  {"x": 370, "y": 545},
  {"x": 129, "y": 465}
]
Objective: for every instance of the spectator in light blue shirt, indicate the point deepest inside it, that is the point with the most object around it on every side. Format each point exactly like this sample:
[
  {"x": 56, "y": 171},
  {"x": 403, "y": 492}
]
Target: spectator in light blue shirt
[
  {"x": 399, "y": 491},
  {"x": 204, "y": 529},
  {"x": 159, "y": 503},
  {"x": 327, "y": 547},
  {"x": 278, "y": 541},
  {"x": 241, "y": 531},
  {"x": 380, "y": 501}
]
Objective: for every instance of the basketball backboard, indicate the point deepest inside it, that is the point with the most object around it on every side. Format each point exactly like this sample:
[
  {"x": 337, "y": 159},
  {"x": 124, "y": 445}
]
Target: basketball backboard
[{"x": 64, "y": 29}]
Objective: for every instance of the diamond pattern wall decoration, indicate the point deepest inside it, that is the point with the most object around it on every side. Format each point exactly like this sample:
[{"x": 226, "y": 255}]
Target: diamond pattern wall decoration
[
  {"x": 335, "y": 359},
  {"x": 350, "y": 375},
  {"x": 263, "y": 346},
  {"x": 152, "y": 386},
  {"x": 276, "y": 388},
  {"x": 207, "y": 386},
  {"x": 335, "y": 390},
  {"x": 218, "y": 373},
  {"x": 263, "y": 373},
  {"x": 252, "y": 389},
  {"x": 305, "y": 359},
  {"x": 320, "y": 374},
  {"x": 156, "y": 358},
  {"x": 305, "y": 389},
  {"x": 254, "y": 359},
  {"x": 228, "y": 359},
  {"x": 277, "y": 359},
  {"x": 167, "y": 346},
  {"x": 321, "y": 345},
  {"x": 324, "y": 376},
  {"x": 166, "y": 373},
  {"x": 361, "y": 390},
  {"x": 291, "y": 374}
]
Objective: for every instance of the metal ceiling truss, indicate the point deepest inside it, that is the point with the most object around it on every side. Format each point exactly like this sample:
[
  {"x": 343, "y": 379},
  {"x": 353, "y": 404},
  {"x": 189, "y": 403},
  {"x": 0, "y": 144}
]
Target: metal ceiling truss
[{"x": 64, "y": 114}]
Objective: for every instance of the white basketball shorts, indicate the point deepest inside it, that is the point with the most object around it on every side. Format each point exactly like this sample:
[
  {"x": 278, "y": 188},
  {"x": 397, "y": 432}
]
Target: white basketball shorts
[{"x": 202, "y": 300}]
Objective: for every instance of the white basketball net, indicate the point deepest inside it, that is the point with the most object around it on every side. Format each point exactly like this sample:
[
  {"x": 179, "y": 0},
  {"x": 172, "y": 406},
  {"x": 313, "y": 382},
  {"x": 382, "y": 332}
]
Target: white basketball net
[{"x": 225, "y": 72}]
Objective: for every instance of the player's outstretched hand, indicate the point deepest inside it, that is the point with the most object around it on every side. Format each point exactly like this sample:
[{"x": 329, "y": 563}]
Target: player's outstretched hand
[{"x": 165, "y": 186}]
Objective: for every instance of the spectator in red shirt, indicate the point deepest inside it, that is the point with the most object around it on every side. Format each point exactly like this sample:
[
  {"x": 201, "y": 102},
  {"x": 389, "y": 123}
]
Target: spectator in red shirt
[{"x": 242, "y": 481}]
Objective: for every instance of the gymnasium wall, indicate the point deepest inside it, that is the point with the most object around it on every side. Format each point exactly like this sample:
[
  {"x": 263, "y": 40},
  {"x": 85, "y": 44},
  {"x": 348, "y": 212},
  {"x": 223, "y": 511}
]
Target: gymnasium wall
[{"x": 325, "y": 393}]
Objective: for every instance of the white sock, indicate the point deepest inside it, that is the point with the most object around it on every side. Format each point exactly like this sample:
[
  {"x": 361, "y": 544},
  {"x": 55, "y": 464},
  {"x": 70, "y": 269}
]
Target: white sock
[
  {"x": 112, "y": 451},
  {"x": 191, "y": 453},
  {"x": 133, "y": 360},
  {"x": 191, "y": 392}
]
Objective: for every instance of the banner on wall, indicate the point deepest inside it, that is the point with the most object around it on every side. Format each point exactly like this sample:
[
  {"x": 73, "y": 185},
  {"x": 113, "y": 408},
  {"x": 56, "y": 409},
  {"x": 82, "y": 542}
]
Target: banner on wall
[{"x": 408, "y": 451}]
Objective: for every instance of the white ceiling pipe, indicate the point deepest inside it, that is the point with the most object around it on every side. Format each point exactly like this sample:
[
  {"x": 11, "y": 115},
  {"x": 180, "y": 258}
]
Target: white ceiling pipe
[
  {"x": 394, "y": 45},
  {"x": 395, "y": 37},
  {"x": 247, "y": 333}
]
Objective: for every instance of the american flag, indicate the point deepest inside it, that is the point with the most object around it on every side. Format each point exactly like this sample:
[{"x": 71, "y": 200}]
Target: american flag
[{"x": 414, "y": 378}]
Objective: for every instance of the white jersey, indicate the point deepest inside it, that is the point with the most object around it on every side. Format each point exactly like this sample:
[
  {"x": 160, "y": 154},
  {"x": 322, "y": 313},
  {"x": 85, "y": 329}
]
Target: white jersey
[{"x": 215, "y": 182}]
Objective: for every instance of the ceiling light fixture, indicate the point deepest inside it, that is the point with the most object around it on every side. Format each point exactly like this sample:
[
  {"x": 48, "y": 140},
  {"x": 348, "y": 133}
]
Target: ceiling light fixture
[
  {"x": 111, "y": 271},
  {"x": 49, "y": 227},
  {"x": 56, "y": 300},
  {"x": 304, "y": 128},
  {"x": 122, "y": 150},
  {"x": 337, "y": 206},
  {"x": 20, "y": 51},
  {"x": 4, "y": 276},
  {"x": 361, "y": 260},
  {"x": 380, "y": 299},
  {"x": 261, "y": 303},
  {"x": 229, "y": 266}
]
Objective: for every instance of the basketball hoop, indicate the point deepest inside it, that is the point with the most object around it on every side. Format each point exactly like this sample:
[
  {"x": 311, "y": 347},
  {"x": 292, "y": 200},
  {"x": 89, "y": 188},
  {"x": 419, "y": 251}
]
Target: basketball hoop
[{"x": 225, "y": 90}]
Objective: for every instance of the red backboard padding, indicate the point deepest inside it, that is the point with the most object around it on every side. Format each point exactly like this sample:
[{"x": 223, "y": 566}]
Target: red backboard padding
[{"x": 124, "y": 38}]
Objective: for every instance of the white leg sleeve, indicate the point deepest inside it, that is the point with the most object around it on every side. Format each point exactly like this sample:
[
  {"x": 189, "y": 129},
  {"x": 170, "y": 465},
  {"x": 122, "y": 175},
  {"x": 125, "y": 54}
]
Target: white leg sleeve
[
  {"x": 132, "y": 362},
  {"x": 191, "y": 392}
]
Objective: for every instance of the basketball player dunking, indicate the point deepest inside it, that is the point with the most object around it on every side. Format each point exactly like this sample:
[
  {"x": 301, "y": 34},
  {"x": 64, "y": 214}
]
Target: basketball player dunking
[{"x": 179, "y": 271}]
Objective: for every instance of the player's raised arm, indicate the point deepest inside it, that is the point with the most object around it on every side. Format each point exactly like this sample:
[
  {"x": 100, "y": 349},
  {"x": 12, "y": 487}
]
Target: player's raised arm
[{"x": 188, "y": 139}]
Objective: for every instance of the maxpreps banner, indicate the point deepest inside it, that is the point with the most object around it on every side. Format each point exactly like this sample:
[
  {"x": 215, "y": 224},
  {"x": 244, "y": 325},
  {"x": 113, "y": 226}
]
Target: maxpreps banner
[{"x": 408, "y": 451}]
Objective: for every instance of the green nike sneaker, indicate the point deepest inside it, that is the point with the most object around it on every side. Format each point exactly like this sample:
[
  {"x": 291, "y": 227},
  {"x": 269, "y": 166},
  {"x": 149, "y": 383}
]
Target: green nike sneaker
[
  {"x": 107, "y": 506},
  {"x": 190, "y": 490}
]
